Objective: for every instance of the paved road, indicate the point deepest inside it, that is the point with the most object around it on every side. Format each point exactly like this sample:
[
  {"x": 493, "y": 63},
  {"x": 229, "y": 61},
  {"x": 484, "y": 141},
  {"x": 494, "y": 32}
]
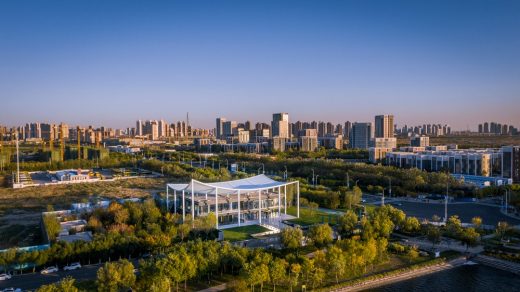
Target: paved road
[
  {"x": 490, "y": 215},
  {"x": 34, "y": 281}
]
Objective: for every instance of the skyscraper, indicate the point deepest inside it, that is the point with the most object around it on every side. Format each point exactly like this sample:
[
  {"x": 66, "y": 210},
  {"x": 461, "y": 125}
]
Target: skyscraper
[
  {"x": 361, "y": 135},
  {"x": 384, "y": 126},
  {"x": 280, "y": 125},
  {"x": 219, "y": 130},
  {"x": 139, "y": 128}
]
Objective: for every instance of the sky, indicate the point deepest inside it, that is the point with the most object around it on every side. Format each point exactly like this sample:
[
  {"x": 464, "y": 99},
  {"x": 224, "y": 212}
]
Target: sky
[{"x": 110, "y": 63}]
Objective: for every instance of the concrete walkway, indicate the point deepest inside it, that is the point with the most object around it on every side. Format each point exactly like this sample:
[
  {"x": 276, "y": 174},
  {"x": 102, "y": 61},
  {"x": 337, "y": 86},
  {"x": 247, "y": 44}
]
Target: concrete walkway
[{"x": 220, "y": 287}]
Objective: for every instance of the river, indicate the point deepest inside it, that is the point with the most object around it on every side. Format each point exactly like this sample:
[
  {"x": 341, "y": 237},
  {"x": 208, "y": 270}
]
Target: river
[{"x": 464, "y": 278}]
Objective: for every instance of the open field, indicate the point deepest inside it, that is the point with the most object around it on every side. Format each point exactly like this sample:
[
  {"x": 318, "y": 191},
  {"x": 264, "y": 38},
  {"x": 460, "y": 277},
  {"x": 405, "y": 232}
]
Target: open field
[
  {"x": 20, "y": 209},
  {"x": 308, "y": 217},
  {"x": 243, "y": 232}
]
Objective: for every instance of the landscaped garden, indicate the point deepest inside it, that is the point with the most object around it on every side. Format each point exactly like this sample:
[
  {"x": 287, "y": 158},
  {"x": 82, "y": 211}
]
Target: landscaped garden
[{"x": 242, "y": 232}]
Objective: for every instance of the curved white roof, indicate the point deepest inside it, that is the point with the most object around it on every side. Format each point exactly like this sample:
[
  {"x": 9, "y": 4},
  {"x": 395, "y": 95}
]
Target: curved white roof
[{"x": 246, "y": 184}]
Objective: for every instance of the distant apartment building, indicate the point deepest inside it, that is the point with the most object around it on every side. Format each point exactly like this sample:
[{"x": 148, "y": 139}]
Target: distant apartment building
[
  {"x": 420, "y": 141},
  {"x": 511, "y": 163},
  {"x": 139, "y": 128},
  {"x": 280, "y": 126},
  {"x": 278, "y": 144},
  {"x": 384, "y": 126},
  {"x": 229, "y": 127},
  {"x": 332, "y": 141},
  {"x": 308, "y": 140},
  {"x": 361, "y": 135},
  {"x": 151, "y": 129},
  {"x": 219, "y": 129}
]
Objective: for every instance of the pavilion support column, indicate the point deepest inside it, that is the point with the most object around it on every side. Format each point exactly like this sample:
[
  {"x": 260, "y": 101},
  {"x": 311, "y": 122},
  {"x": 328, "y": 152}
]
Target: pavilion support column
[
  {"x": 239, "y": 208},
  {"x": 260, "y": 206},
  {"x": 298, "y": 199},
  {"x": 216, "y": 206},
  {"x": 183, "y": 206},
  {"x": 167, "y": 199},
  {"x": 192, "y": 205},
  {"x": 175, "y": 201},
  {"x": 285, "y": 198},
  {"x": 279, "y": 202},
  {"x": 207, "y": 205}
]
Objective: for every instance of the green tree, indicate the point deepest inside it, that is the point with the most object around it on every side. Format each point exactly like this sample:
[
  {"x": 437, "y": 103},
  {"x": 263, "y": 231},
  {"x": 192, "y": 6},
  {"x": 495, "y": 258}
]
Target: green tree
[
  {"x": 413, "y": 253},
  {"x": 336, "y": 262},
  {"x": 116, "y": 276},
  {"x": 502, "y": 228},
  {"x": 320, "y": 235},
  {"x": 291, "y": 238},
  {"x": 277, "y": 271},
  {"x": 477, "y": 222},
  {"x": 347, "y": 223},
  {"x": 454, "y": 226},
  {"x": 65, "y": 285},
  {"x": 412, "y": 224},
  {"x": 433, "y": 234},
  {"x": 52, "y": 225},
  {"x": 470, "y": 237}
]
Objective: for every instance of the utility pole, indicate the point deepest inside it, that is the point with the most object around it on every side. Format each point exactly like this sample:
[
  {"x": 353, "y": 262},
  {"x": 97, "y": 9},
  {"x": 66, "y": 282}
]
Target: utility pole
[
  {"x": 390, "y": 189},
  {"x": 446, "y": 204},
  {"x": 79, "y": 142},
  {"x": 17, "y": 161}
]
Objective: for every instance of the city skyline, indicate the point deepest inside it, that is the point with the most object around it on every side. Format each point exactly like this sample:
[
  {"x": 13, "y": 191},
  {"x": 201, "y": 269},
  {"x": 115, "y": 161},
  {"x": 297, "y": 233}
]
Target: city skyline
[{"x": 109, "y": 63}]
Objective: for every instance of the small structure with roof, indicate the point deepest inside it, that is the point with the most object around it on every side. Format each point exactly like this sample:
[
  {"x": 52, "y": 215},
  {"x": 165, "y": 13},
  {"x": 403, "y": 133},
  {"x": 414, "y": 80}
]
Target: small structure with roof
[{"x": 253, "y": 200}]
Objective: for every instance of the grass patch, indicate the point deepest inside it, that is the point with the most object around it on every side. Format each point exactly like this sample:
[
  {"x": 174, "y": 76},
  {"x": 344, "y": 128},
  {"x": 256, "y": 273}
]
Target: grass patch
[
  {"x": 308, "y": 217},
  {"x": 243, "y": 232}
]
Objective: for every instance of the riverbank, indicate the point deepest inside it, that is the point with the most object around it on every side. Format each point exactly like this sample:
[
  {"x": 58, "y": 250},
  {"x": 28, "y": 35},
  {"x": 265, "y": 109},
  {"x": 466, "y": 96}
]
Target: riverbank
[{"x": 398, "y": 275}]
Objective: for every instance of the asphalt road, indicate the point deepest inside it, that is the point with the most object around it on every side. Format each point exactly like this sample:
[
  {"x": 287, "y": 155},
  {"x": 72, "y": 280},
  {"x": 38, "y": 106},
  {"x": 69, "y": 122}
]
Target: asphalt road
[
  {"x": 490, "y": 215},
  {"x": 34, "y": 281}
]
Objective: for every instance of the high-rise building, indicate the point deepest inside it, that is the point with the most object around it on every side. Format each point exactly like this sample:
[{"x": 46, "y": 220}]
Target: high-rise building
[
  {"x": 280, "y": 126},
  {"x": 361, "y": 135},
  {"x": 347, "y": 129},
  {"x": 139, "y": 128},
  {"x": 308, "y": 140},
  {"x": 219, "y": 129},
  {"x": 511, "y": 163},
  {"x": 384, "y": 126},
  {"x": 420, "y": 141},
  {"x": 486, "y": 127},
  {"x": 163, "y": 129},
  {"x": 229, "y": 127}
]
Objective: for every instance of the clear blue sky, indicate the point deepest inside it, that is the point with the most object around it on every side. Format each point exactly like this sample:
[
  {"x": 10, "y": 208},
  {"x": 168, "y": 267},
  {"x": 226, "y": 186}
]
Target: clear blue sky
[{"x": 112, "y": 62}]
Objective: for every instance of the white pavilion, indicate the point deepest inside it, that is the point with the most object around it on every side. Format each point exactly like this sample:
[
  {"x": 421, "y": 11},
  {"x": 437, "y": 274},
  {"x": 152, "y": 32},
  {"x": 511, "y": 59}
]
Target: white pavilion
[{"x": 253, "y": 200}]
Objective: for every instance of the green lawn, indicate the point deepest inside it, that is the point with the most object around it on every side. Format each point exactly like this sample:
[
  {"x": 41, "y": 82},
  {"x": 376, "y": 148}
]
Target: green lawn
[
  {"x": 308, "y": 217},
  {"x": 243, "y": 232}
]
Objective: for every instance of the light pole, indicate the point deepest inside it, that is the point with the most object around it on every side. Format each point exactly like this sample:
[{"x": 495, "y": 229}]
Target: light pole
[
  {"x": 285, "y": 173},
  {"x": 313, "y": 179},
  {"x": 316, "y": 180},
  {"x": 390, "y": 188},
  {"x": 383, "y": 198},
  {"x": 446, "y": 204},
  {"x": 348, "y": 181},
  {"x": 357, "y": 181}
]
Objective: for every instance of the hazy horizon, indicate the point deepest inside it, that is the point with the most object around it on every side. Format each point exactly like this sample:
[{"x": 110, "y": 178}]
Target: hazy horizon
[{"x": 113, "y": 62}]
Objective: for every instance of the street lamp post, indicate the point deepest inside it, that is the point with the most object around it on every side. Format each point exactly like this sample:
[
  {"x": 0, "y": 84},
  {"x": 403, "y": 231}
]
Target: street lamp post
[
  {"x": 316, "y": 182},
  {"x": 390, "y": 188}
]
